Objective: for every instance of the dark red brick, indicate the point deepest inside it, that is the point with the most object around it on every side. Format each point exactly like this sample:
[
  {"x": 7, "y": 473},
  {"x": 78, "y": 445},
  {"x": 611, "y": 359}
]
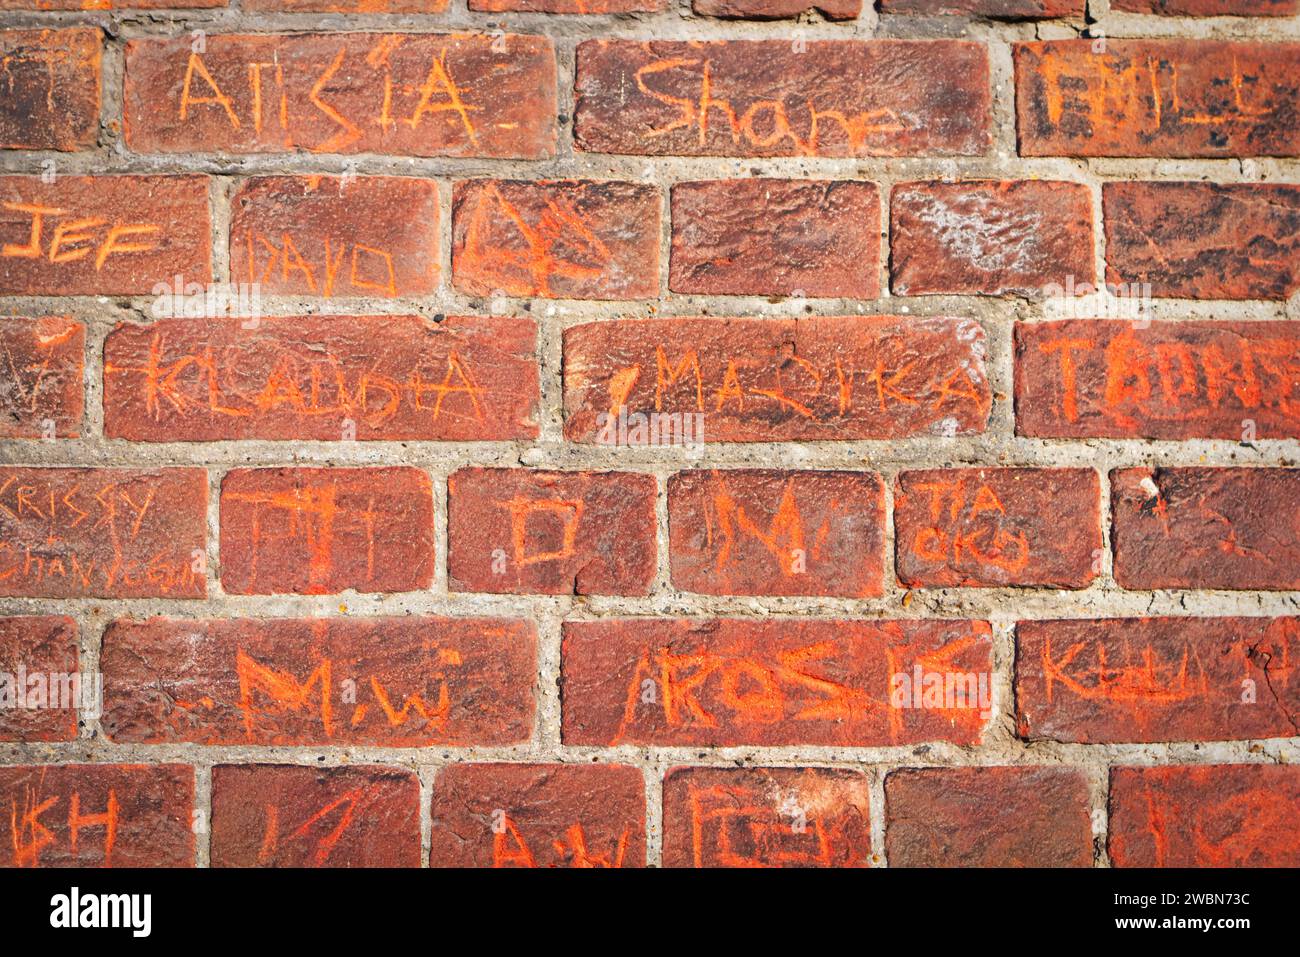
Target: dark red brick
[
  {"x": 554, "y": 533},
  {"x": 52, "y": 88},
  {"x": 41, "y": 390},
  {"x": 776, "y": 237},
  {"x": 538, "y": 815},
  {"x": 777, "y": 9},
  {"x": 390, "y": 682},
  {"x": 269, "y": 815},
  {"x": 39, "y": 701},
  {"x": 773, "y": 532}
]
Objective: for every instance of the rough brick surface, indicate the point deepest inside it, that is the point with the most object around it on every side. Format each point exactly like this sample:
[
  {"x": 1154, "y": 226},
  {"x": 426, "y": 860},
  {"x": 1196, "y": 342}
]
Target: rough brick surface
[
  {"x": 373, "y": 236},
  {"x": 1158, "y": 98},
  {"x": 1204, "y": 240},
  {"x": 397, "y": 682},
  {"x": 39, "y": 701},
  {"x": 1234, "y": 815},
  {"x": 1210, "y": 8},
  {"x": 315, "y": 531},
  {"x": 284, "y": 816},
  {"x": 580, "y": 239},
  {"x": 766, "y": 817},
  {"x": 778, "y": 237},
  {"x": 97, "y": 815},
  {"x": 406, "y": 94},
  {"x": 771, "y": 380},
  {"x": 764, "y": 98},
  {"x": 987, "y": 817},
  {"x": 995, "y": 9},
  {"x": 557, "y": 533},
  {"x": 569, "y": 6},
  {"x": 80, "y": 5},
  {"x": 41, "y": 369},
  {"x": 1162, "y": 380},
  {"x": 1233, "y": 528},
  {"x": 773, "y": 532},
  {"x": 538, "y": 815},
  {"x": 102, "y": 235},
  {"x": 991, "y": 238},
  {"x": 738, "y": 681},
  {"x": 1157, "y": 679},
  {"x": 321, "y": 377},
  {"x": 52, "y": 89},
  {"x": 777, "y": 9},
  {"x": 107, "y": 533},
  {"x": 346, "y": 6},
  {"x": 998, "y": 527}
]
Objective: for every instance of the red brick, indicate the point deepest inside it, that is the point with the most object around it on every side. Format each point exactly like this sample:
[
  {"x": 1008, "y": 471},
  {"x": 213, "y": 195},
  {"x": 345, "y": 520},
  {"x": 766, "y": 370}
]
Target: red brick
[
  {"x": 777, "y": 9},
  {"x": 346, "y": 6},
  {"x": 988, "y": 817},
  {"x": 772, "y": 380},
  {"x": 1191, "y": 98},
  {"x": 778, "y": 237},
  {"x": 35, "y": 702},
  {"x": 102, "y": 235},
  {"x": 322, "y": 377},
  {"x": 560, "y": 239},
  {"x": 406, "y": 94},
  {"x": 993, "y": 9},
  {"x": 52, "y": 87},
  {"x": 1204, "y": 240},
  {"x": 41, "y": 363},
  {"x": 538, "y": 815},
  {"x": 1221, "y": 815},
  {"x": 995, "y": 238},
  {"x": 336, "y": 237},
  {"x": 554, "y": 533},
  {"x": 104, "y": 533},
  {"x": 390, "y": 682},
  {"x": 998, "y": 527},
  {"x": 1232, "y": 528},
  {"x": 766, "y": 817},
  {"x": 771, "y": 682},
  {"x": 775, "y": 98},
  {"x": 569, "y": 6},
  {"x": 1210, "y": 8},
  {"x": 1157, "y": 679},
  {"x": 85, "y": 5},
  {"x": 98, "y": 815},
  {"x": 267, "y": 815},
  {"x": 773, "y": 532},
  {"x": 1164, "y": 380},
  {"x": 314, "y": 531}
]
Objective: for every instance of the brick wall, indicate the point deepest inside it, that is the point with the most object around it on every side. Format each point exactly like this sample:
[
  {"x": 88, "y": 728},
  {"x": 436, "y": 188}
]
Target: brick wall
[{"x": 949, "y": 562}]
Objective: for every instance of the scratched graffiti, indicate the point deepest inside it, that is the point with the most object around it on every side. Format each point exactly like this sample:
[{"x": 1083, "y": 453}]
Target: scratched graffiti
[
  {"x": 51, "y": 83},
  {"x": 41, "y": 377}
]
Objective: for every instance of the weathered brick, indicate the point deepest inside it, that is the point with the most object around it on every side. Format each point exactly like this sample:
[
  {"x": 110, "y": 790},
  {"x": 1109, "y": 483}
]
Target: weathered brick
[
  {"x": 413, "y": 94},
  {"x": 779, "y": 237},
  {"x": 766, "y": 817},
  {"x": 538, "y": 815},
  {"x": 1210, "y": 8},
  {"x": 728, "y": 682},
  {"x": 993, "y": 9},
  {"x": 102, "y": 235},
  {"x": 1229, "y": 528},
  {"x": 771, "y": 380},
  {"x": 1158, "y": 98},
  {"x": 1157, "y": 679},
  {"x": 52, "y": 88},
  {"x": 570, "y": 239},
  {"x": 988, "y": 817},
  {"x": 1219, "y": 815},
  {"x": 82, "y": 5},
  {"x": 98, "y": 815},
  {"x": 336, "y": 237},
  {"x": 774, "y": 532},
  {"x": 1204, "y": 240},
  {"x": 315, "y": 531},
  {"x": 569, "y": 6},
  {"x": 391, "y": 682},
  {"x": 106, "y": 533},
  {"x": 268, "y": 815},
  {"x": 41, "y": 390},
  {"x": 346, "y": 6},
  {"x": 777, "y": 9},
  {"x": 1162, "y": 380},
  {"x": 36, "y": 702},
  {"x": 995, "y": 238},
  {"x": 997, "y": 527},
  {"x": 767, "y": 98},
  {"x": 555, "y": 533},
  {"x": 322, "y": 377}
]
